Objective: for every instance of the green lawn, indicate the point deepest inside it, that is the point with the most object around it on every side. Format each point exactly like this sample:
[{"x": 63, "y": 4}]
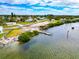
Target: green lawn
[
  {"x": 23, "y": 23},
  {"x": 1, "y": 35},
  {"x": 5, "y": 26},
  {"x": 13, "y": 33}
]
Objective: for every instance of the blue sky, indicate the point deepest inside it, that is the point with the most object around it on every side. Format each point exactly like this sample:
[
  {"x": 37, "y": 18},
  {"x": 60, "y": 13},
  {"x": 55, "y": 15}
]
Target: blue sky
[{"x": 39, "y": 7}]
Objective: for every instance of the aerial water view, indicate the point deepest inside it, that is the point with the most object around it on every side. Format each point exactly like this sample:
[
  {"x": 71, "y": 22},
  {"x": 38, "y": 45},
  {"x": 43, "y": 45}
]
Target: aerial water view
[{"x": 39, "y": 29}]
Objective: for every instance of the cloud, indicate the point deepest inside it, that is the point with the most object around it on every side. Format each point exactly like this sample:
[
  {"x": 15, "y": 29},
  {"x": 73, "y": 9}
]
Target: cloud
[
  {"x": 11, "y": 7},
  {"x": 70, "y": 7}
]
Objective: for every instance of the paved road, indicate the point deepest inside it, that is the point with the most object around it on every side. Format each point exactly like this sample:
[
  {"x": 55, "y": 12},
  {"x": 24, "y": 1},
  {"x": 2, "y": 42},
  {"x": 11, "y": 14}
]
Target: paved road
[
  {"x": 29, "y": 27},
  {"x": 24, "y": 28}
]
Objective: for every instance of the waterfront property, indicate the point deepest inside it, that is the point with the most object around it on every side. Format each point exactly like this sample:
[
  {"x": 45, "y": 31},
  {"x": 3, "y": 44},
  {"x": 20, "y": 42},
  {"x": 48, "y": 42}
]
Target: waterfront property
[
  {"x": 29, "y": 19},
  {"x": 56, "y": 40},
  {"x": 11, "y": 23},
  {"x": 1, "y": 29},
  {"x": 62, "y": 44}
]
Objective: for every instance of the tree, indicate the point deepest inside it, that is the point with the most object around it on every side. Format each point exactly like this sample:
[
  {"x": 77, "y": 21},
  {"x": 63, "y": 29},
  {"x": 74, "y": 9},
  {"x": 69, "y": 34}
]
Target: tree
[
  {"x": 25, "y": 37},
  {"x": 24, "y": 18},
  {"x": 34, "y": 18},
  {"x": 2, "y": 22},
  {"x": 12, "y": 17},
  {"x": 50, "y": 17}
]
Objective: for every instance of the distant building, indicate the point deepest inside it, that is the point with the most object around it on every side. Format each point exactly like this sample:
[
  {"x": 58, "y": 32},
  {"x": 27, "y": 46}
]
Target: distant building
[
  {"x": 18, "y": 19},
  {"x": 63, "y": 20},
  {"x": 53, "y": 19},
  {"x": 41, "y": 18},
  {"x": 11, "y": 23},
  {"x": 29, "y": 19},
  {"x": 1, "y": 29}
]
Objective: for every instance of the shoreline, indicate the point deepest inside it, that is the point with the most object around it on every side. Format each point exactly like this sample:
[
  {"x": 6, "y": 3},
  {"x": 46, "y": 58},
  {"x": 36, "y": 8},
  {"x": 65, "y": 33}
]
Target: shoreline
[
  {"x": 44, "y": 26},
  {"x": 52, "y": 24}
]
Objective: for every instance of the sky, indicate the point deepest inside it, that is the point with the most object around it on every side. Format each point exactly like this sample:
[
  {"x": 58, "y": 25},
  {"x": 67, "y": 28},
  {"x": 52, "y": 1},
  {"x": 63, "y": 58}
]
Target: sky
[{"x": 39, "y": 7}]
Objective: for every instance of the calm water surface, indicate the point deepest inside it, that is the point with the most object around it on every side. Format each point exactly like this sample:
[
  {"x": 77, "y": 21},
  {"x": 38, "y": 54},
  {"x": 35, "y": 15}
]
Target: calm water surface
[{"x": 60, "y": 45}]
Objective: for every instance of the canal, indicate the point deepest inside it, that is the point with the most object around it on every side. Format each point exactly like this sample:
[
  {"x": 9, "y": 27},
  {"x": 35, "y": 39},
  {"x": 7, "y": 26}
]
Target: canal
[{"x": 62, "y": 44}]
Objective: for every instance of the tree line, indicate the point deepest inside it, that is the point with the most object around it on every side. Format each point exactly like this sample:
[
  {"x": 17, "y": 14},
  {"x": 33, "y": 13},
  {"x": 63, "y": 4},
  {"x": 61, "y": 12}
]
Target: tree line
[{"x": 22, "y": 18}]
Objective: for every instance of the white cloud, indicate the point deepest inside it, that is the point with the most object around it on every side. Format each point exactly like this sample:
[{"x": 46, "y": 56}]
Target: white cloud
[
  {"x": 33, "y": 1},
  {"x": 71, "y": 7},
  {"x": 42, "y": 2},
  {"x": 19, "y": 1},
  {"x": 74, "y": 6},
  {"x": 66, "y": 9},
  {"x": 12, "y": 7},
  {"x": 74, "y": 1}
]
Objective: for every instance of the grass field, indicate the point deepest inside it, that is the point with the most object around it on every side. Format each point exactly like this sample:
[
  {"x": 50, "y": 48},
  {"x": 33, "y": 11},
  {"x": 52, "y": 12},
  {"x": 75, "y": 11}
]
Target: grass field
[
  {"x": 13, "y": 33},
  {"x": 1, "y": 35}
]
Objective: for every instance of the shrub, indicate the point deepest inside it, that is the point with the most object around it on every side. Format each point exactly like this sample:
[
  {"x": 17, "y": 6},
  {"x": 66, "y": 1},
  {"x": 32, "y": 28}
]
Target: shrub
[
  {"x": 52, "y": 24},
  {"x": 35, "y": 33},
  {"x": 25, "y": 37}
]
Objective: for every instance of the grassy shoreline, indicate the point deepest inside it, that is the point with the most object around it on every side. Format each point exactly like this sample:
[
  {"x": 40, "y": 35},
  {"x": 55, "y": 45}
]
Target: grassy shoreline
[
  {"x": 25, "y": 37},
  {"x": 57, "y": 23}
]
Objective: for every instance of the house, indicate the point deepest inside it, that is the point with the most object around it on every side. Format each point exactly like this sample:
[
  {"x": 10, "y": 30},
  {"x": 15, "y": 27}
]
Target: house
[
  {"x": 41, "y": 18},
  {"x": 11, "y": 23},
  {"x": 1, "y": 29},
  {"x": 63, "y": 20},
  {"x": 18, "y": 19},
  {"x": 53, "y": 19},
  {"x": 29, "y": 19}
]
